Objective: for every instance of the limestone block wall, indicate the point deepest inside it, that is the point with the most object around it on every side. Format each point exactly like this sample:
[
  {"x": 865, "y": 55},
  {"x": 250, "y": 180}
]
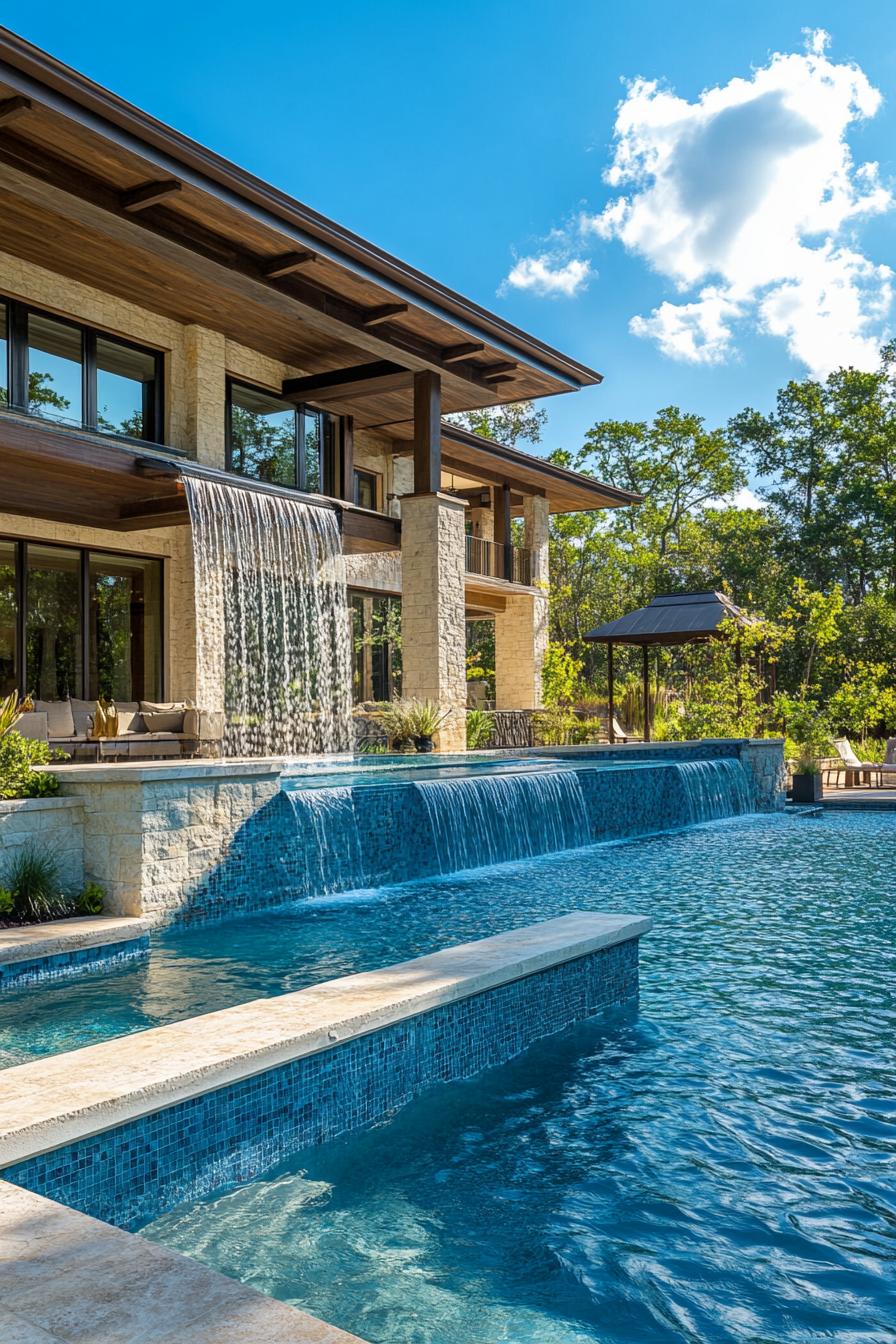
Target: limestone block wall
[
  {"x": 153, "y": 836},
  {"x": 432, "y": 609},
  {"x": 521, "y": 640},
  {"x": 47, "y": 825},
  {"x": 763, "y": 761}
]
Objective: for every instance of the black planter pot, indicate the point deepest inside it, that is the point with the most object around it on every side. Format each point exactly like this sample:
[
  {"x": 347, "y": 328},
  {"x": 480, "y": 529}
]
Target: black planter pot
[
  {"x": 806, "y": 789},
  {"x": 424, "y": 744}
]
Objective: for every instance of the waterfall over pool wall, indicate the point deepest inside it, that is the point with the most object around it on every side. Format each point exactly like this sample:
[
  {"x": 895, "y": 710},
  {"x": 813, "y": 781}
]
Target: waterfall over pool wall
[
  {"x": 272, "y": 622},
  {"x": 493, "y": 819}
]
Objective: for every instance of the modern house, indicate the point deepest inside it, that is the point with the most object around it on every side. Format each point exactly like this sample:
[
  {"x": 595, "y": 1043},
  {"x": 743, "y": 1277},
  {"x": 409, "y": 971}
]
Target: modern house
[{"x": 165, "y": 314}]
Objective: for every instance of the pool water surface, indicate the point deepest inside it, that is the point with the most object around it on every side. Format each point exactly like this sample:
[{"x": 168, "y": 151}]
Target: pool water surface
[{"x": 721, "y": 1166}]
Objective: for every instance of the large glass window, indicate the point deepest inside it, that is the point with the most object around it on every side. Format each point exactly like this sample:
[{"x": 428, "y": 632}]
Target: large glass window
[
  {"x": 125, "y": 389},
  {"x": 53, "y": 659},
  {"x": 55, "y": 369},
  {"x": 125, "y": 627},
  {"x": 9, "y": 680},
  {"x": 263, "y": 436},
  {"x": 116, "y": 625},
  {"x": 70, "y": 373},
  {"x": 275, "y": 441},
  {"x": 376, "y": 646}
]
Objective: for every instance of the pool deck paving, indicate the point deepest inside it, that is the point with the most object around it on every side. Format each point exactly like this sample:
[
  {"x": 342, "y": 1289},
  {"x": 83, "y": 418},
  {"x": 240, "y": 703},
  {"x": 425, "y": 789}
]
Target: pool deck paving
[
  {"x": 861, "y": 800},
  {"x": 33, "y": 941},
  {"x": 69, "y": 1279}
]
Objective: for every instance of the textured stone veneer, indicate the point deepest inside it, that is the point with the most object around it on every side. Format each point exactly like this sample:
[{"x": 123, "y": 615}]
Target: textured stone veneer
[
  {"x": 315, "y": 1064},
  {"x": 54, "y": 825}
]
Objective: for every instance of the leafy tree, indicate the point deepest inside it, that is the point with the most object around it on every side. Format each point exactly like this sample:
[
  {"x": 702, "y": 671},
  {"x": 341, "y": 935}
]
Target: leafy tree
[{"x": 517, "y": 423}]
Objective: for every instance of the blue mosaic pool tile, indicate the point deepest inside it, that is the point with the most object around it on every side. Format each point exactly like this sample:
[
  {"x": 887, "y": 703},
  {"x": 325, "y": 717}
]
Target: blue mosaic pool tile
[
  {"x": 62, "y": 965},
  {"x": 134, "y": 1173}
]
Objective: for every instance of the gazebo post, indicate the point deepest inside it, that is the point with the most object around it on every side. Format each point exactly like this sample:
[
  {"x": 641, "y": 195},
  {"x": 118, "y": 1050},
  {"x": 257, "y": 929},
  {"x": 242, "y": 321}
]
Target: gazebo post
[
  {"x": 611, "y": 706},
  {"x": 646, "y": 679}
]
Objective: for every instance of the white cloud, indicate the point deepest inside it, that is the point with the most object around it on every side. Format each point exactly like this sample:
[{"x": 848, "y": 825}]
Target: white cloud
[
  {"x": 749, "y": 196},
  {"x": 745, "y": 498},
  {"x": 546, "y": 275}
]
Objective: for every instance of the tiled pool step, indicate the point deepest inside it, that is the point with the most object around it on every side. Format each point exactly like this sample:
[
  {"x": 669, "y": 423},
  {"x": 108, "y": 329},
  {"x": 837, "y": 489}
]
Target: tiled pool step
[
  {"x": 39, "y": 952},
  {"x": 132, "y": 1126},
  {"x": 67, "y": 1277}
]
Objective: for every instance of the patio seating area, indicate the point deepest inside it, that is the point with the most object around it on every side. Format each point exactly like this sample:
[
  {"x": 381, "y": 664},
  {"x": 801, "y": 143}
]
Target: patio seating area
[{"x": 139, "y": 730}]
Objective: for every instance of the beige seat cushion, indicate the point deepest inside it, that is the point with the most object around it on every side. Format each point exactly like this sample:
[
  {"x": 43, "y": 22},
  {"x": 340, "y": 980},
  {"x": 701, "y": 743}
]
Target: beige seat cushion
[
  {"x": 130, "y": 720},
  {"x": 33, "y": 725},
  {"x": 82, "y": 713},
  {"x": 60, "y": 720},
  {"x": 163, "y": 718}
]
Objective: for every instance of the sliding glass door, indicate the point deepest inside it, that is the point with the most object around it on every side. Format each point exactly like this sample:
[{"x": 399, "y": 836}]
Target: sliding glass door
[{"x": 79, "y": 623}]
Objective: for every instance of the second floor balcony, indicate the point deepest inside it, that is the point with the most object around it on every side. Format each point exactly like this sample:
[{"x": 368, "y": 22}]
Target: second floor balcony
[{"x": 493, "y": 560}]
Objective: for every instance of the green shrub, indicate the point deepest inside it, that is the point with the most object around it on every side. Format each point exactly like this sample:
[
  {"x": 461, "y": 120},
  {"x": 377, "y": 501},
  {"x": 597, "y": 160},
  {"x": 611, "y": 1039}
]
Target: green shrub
[
  {"x": 33, "y": 876},
  {"x": 7, "y": 903},
  {"x": 90, "y": 902},
  {"x": 479, "y": 729},
  {"x": 18, "y": 777}
]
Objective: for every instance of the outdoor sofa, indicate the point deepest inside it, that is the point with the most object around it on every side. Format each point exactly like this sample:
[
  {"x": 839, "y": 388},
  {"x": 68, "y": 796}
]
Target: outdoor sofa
[{"x": 146, "y": 730}]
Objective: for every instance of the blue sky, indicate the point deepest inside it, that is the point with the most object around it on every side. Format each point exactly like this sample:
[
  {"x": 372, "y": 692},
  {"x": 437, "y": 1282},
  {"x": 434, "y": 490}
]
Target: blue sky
[{"x": 473, "y": 139}]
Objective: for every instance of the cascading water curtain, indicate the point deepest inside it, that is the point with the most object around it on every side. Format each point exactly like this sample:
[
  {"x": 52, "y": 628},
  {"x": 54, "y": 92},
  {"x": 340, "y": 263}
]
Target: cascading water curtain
[{"x": 272, "y": 624}]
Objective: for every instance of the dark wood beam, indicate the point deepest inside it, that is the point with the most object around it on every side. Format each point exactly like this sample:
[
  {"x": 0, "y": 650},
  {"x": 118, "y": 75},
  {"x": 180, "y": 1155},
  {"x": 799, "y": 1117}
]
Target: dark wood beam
[
  {"x": 156, "y": 469},
  {"x": 347, "y": 459},
  {"x": 427, "y": 433},
  {"x": 376, "y": 316},
  {"x": 495, "y": 379},
  {"x": 13, "y": 108},
  {"x": 455, "y": 353},
  {"x": 364, "y": 531},
  {"x": 150, "y": 193},
  {"x": 345, "y": 382},
  {"x": 492, "y": 372},
  {"x": 287, "y": 264}
]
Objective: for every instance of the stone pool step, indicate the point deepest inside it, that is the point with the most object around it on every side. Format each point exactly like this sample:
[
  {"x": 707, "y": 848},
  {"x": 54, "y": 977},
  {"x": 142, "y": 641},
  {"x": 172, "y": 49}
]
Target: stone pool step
[
  {"x": 70, "y": 1278},
  {"x": 48, "y": 1103},
  {"x": 37, "y": 952}
]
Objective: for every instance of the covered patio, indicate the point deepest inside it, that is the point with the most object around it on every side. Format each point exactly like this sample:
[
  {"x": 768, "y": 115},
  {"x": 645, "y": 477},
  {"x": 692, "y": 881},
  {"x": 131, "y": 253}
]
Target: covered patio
[{"x": 682, "y": 618}]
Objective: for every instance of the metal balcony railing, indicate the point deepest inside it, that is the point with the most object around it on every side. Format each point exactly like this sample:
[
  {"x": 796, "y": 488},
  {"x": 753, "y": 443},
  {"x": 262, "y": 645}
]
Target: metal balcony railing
[{"x": 495, "y": 561}]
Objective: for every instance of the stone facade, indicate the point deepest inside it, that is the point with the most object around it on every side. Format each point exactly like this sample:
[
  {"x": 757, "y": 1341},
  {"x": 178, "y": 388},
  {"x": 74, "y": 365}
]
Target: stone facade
[
  {"x": 521, "y": 640},
  {"x": 46, "y": 825},
  {"x": 433, "y": 629}
]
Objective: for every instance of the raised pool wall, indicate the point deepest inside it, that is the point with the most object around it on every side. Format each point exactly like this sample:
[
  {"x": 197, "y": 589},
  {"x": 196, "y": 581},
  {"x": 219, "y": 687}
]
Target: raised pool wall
[
  {"x": 50, "y": 825},
  {"x": 201, "y": 838},
  {"x": 130, "y": 1128}
]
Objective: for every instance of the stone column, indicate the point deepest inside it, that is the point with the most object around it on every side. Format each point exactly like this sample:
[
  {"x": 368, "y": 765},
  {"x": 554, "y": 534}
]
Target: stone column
[
  {"x": 433, "y": 630},
  {"x": 521, "y": 630},
  {"x": 205, "y": 360},
  {"x": 521, "y": 638},
  {"x": 535, "y": 537}
]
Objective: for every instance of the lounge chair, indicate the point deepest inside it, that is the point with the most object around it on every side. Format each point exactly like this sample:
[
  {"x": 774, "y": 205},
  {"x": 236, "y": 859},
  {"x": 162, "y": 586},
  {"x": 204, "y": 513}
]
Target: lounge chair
[{"x": 864, "y": 772}]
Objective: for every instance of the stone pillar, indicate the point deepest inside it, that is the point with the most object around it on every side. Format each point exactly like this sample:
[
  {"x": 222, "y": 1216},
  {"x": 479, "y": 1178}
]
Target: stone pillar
[
  {"x": 433, "y": 630},
  {"x": 483, "y": 521},
  {"x": 535, "y": 537},
  {"x": 205, "y": 359},
  {"x": 521, "y": 630},
  {"x": 521, "y": 639}
]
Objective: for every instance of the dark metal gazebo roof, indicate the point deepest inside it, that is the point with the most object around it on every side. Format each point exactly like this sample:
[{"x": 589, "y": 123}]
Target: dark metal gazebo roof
[{"x": 677, "y": 619}]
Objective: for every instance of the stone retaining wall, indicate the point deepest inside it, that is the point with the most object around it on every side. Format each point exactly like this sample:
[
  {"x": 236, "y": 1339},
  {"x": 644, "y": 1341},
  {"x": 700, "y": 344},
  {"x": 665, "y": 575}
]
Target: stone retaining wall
[{"x": 48, "y": 825}]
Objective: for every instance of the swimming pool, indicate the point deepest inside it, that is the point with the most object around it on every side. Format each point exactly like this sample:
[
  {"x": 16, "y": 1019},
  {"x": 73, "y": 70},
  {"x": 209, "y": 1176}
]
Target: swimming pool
[
  {"x": 722, "y": 1167},
  {"x": 719, "y": 1168}
]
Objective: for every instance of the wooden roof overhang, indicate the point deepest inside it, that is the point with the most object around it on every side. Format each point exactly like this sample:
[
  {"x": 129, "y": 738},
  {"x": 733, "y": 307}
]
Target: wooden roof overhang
[
  {"x": 72, "y": 476},
  {"x": 473, "y": 458},
  {"x": 96, "y": 189}
]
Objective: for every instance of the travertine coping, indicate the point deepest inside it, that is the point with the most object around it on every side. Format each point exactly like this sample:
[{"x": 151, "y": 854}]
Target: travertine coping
[
  {"x": 48, "y": 1103},
  {"x": 138, "y": 772},
  {"x": 69, "y": 1279},
  {"x": 68, "y": 935}
]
